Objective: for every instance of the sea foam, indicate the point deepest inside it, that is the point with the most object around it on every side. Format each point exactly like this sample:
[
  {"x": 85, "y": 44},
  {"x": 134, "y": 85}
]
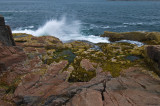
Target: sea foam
[
  {"x": 64, "y": 30},
  {"x": 139, "y": 44}
]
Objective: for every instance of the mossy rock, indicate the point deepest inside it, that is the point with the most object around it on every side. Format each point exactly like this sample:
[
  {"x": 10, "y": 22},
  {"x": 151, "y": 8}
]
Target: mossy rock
[
  {"x": 121, "y": 63},
  {"x": 54, "y": 46},
  {"x": 138, "y": 51},
  {"x": 47, "y": 39},
  {"x": 79, "y": 74},
  {"x": 19, "y": 35},
  {"x": 115, "y": 49},
  {"x": 153, "y": 36},
  {"x": 76, "y": 45},
  {"x": 114, "y": 68},
  {"x": 145, "y": 37},
  {"x": 115, "y": 54},
  {"x": 113, "y": 36},
  {"x": 23, "y": 39},
  {"x": 136, "y": 36}
]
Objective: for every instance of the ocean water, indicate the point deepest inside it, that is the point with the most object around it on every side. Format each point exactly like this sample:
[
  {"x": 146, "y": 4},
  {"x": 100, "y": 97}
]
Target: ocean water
[{"x": 80, "y": 19}]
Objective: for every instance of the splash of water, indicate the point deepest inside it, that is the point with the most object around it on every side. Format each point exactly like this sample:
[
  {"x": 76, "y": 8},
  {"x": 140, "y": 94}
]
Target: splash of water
[{"x": 64, "y": 30}]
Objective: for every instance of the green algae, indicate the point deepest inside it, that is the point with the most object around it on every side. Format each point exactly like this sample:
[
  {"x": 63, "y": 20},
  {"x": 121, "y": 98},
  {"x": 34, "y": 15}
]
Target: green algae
[
  {"x": 79, "y": 74},
  {"x": 114, "y": 68},
  {"x": 116, "y": 54},
  {"x": 111, "y": 58}
]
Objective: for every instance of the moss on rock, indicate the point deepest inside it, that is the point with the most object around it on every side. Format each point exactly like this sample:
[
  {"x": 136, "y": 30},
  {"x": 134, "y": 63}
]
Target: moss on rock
[
  {"x": 79, "y": 74},
  {"x": 145, "y": 37},
  {"x": 110, "y": 57}
]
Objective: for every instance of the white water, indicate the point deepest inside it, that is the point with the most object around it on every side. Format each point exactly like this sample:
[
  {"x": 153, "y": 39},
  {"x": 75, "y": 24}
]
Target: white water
[
  {"x": 139, "y": 44},
  {"x": 64, "y": 30}
]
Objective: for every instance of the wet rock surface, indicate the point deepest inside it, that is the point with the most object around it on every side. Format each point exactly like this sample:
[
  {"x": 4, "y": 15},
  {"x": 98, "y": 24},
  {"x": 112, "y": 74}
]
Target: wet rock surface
[{"x": 43, "y": 71}]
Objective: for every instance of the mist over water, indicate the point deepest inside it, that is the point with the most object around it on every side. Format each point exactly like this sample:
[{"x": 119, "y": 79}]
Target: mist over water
[{"x": 63, "y": 29}]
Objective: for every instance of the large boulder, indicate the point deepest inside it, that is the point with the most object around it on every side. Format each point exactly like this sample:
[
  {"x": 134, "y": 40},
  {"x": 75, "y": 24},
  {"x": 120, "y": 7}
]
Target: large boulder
[
  {"x": 146, "y": 37},
  {"x": 114, "y": 36},
  {"x": 5, "y": 33},
  {"x": 153, "y": 57}
]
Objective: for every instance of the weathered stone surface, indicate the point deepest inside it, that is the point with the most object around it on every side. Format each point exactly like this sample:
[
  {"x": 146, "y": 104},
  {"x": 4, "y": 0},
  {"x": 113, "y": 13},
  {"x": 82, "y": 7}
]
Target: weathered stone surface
[
  {"x": 132, "y": 89},
  {"x": 113, "y": 36},
  {"x": 128, "y": 89},
  {"x": 10, "y": 55},
  {"x": 87, "y": 65},
  {"x": 36, "y": 86},
  {"x": 55, "y": 68},
  {"x": 87, "y": 97}
]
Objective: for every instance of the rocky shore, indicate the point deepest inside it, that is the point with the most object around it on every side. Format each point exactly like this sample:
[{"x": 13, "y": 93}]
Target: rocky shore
[{"x": 44, "y": 71}]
